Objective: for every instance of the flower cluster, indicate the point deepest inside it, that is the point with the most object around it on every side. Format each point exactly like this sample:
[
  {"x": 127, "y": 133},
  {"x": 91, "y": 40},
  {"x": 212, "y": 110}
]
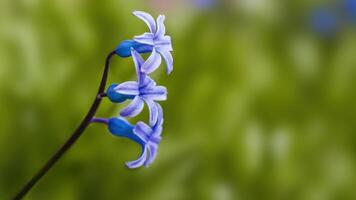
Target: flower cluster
[{"x": 143, "y": 91}]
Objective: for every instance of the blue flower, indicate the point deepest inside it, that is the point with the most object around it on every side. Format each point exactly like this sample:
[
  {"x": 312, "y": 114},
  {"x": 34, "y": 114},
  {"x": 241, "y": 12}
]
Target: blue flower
[
  {"x": 147, "y": 137},
  {"x": 154, "y": 41},
  {"x": 151, "y": 138},
  {"x": 324, "y": 21},
  {"x": 350, "y": 9},
  {"x": 161, "y": 44},
  {"x": 143, "y": 90}
]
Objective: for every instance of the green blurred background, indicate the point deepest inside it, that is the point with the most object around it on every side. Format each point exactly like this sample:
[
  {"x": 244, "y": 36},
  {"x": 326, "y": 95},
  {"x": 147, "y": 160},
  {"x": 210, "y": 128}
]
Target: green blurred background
[{"x": 259, "y": 107}]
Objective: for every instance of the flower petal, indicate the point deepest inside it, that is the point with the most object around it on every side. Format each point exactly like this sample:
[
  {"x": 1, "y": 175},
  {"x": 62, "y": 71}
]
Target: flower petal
[
  {"x": 156, "y": 134},
  {"x": 164, "y": 43},
  {"x": 161, "y": 29},
  {"x": 152, "y": 63},
  {"x": 128, "y": 88},
  {"x": 160, "y": 116},
  {"x": 167, "y": 56},
  {"x": 140, "y": 161},
  {"x": 152, "y": 107},
  {"x": 152, "y": 154},
  {"x": 147, "y": 18},
  {"x": 137, "y": 58},
  {"x": 156, "y": 138},
  {"x": 146, "y": 38},
  {"x": 134, "y": 108},
  {"x": 138, "y": 61},
  {"x": 142, "y": 130},
  {"x": 157, "y": 93},
  {"x": 147, "y": 82}
]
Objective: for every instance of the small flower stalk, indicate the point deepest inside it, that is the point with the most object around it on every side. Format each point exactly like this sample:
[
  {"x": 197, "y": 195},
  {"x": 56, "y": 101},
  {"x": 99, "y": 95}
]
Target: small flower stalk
[{"x": 144, "y": 91}]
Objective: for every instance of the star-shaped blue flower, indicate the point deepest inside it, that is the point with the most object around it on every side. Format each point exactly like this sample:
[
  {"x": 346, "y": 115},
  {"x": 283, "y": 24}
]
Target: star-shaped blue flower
[
  {"x": 147, "y": 137},
  {"x": 151, "y": 137},
  {"x": 161, "y": 43},
  {"x": 143, "y": 90}
]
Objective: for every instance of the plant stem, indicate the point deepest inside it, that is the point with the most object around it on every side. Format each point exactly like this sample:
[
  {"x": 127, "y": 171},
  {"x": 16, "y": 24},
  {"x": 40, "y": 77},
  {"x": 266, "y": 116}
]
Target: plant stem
[
  {"x": 73, "y": 138},
  {"x": 99, "y": 120}
]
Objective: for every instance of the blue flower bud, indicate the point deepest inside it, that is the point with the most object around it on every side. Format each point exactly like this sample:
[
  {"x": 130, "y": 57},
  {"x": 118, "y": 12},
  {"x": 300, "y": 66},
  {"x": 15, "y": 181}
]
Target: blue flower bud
[
  {"x": 124, "y": 49},
  {"x": 117, "y": 97},
  {"x": 122, "y": 128}
]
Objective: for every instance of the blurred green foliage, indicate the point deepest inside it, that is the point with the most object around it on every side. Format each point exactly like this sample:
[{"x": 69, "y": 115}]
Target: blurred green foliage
[{"x": 258, "y": 107}]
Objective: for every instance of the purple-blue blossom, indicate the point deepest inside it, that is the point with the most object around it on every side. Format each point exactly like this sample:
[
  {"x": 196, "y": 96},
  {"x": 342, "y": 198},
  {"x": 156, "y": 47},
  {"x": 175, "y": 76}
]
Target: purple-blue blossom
[
  {"x": 349, "y": 6},
  {"x": 324, "y": 21},
  {"x": 161, "y": 43},
  {"x": 151, "y": 137},
  {"x": 144, "y": 90},
  {"x": 154, "y": 41},
  {"x": 146, "y": 136}
]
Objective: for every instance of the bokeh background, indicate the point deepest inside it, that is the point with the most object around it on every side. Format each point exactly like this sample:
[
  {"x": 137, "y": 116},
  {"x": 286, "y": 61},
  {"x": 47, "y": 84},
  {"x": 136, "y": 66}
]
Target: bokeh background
[{"x": 261, "y": 103}]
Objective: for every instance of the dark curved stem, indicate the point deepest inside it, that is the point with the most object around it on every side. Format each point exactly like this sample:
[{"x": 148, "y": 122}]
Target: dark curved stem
[{"x": 73, "y": 138}]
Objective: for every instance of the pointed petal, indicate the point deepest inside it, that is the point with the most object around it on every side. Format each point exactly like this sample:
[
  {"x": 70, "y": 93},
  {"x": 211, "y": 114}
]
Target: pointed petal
[
  {"x": 142, "y": 130},
  {"x": 161, "y": 29},
  {"x": 152, "y": 63},
  {"x": 138, "y": 61},
  {"x": 140, "y": 161},
  {"x": 134, "y": 108},
  {"x": 147, "y": 18},
  {"x": 152, "y": 107},
  {"x": 164, "y": 43},
  {"x": 128, "y": 88},
  {"x": 152, "y": 154},
  {"x": 160, "y": 115},
  {"x": 147, "y": 82},
  {"x": 156, "y": 134},
  {"x": 146, "y": 38},
  {"x": 137, "y": 58},
  {"x": 157, "y": 93},
  {"x": 167, "y": 56},
  {"x": 157, "y": 128},
  {"x": 156, "y": 138}
]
